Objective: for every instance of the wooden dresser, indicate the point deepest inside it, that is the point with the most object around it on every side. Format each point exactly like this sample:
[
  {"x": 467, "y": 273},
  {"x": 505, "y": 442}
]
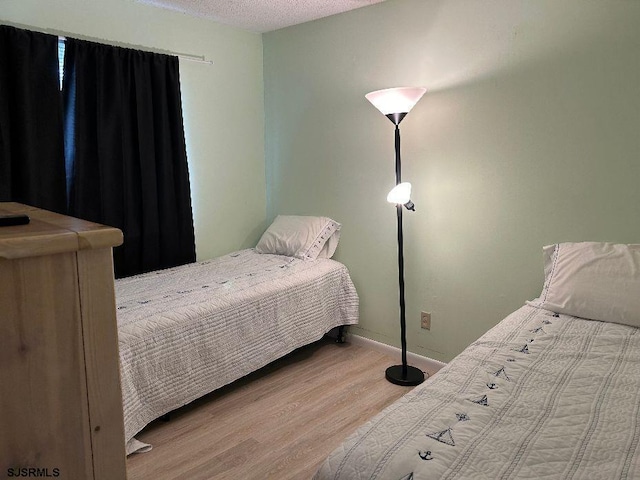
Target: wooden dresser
[{"x": 60, "y": 399}]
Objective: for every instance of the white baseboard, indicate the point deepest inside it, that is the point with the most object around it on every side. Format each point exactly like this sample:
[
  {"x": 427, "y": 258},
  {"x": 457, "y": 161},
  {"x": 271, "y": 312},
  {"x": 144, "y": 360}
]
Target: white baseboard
[{"x": 425, "y": 364}]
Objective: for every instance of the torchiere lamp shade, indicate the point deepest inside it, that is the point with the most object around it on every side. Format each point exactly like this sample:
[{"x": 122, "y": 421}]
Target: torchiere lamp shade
[{"x": 396, "y": 100}]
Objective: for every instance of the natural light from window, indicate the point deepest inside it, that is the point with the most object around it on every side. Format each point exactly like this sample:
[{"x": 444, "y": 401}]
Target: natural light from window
[{"x": 61, "y": 46}]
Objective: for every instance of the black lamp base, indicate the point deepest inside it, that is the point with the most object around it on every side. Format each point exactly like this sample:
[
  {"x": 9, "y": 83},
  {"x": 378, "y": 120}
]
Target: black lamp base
[{"x": 414, "y": 376}]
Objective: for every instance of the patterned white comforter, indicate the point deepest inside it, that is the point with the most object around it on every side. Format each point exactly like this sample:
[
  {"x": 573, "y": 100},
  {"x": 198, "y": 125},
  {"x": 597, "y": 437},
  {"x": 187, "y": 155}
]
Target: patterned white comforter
[
  {"x": 185, "y": 331},
  {"x": 540, "y": 396}
]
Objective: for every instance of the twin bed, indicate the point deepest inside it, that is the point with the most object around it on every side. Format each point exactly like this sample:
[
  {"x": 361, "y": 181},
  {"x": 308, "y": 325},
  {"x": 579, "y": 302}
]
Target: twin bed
[
  {"x": 188, "y": 330},
  {"x": 551, "y": 392}
]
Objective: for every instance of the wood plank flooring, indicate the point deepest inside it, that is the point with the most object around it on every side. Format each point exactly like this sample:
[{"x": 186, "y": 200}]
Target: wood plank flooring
[{"x": 278, "y": 423}]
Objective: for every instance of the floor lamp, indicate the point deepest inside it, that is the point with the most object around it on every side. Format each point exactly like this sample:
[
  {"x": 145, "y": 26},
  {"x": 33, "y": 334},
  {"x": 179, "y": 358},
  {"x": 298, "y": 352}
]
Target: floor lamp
[{"x": 395, "y": 104}]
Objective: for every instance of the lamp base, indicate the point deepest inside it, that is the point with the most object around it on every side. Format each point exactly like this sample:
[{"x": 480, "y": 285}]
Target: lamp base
[{"x": 414, "y": 376}]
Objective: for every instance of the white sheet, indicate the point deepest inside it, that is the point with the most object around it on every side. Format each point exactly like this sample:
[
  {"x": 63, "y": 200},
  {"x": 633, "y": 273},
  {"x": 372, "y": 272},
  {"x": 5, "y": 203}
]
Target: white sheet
[
  {"x": 537, "y": 397},
  {"x": 186, "y": 331}
]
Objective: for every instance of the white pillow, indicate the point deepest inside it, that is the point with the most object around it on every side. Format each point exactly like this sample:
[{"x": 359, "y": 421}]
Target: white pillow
[
  {"x": 302, "y": 237},
  {"x": 598, "y": 281}
]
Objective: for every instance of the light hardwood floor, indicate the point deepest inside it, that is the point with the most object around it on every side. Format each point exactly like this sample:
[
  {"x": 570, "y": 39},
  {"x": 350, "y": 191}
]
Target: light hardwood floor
[{"x": 278, "y": 423}]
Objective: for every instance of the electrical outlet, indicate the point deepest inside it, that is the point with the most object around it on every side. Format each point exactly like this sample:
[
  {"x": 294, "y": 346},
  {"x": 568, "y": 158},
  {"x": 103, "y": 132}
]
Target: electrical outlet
[{"x": 425, "y": 320}]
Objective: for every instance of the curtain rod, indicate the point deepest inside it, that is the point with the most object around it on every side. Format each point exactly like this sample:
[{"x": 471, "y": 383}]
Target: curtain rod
[{"x": 62, "y": 34}]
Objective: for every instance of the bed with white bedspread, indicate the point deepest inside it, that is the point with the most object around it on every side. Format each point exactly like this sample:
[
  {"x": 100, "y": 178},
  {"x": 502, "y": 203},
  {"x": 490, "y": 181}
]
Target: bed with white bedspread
[
  {"x": 186, "y": 331},
  {"x": 542, "y": 395}
]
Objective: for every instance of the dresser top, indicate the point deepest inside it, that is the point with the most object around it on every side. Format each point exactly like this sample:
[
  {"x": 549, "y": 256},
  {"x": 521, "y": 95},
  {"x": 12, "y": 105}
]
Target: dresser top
[{"x": 49, "y": 233}]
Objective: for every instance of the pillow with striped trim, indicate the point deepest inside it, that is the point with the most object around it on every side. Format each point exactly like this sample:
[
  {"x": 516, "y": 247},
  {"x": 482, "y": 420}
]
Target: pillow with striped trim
[
  {"x": 304, "y": 237},
  {"x": 593, "y": 280}
]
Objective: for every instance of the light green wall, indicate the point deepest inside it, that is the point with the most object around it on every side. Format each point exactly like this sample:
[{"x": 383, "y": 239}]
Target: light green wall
[
  {"x": 529, "y": 134},
  {"x": 223, "y": 104}
]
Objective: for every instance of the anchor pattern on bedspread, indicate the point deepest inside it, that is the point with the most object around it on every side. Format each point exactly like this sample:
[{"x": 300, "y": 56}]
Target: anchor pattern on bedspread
[{"x": 446, "y": 436}]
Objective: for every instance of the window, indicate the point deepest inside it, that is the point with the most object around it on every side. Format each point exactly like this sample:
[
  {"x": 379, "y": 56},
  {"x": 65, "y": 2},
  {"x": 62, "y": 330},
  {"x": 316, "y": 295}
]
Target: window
[{"x": 61, "y": 45}]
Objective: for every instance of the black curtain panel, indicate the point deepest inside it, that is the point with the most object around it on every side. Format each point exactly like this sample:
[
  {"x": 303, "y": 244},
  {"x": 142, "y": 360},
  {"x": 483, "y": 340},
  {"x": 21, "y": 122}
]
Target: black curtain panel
[
  {"x": 32, "y": 168},
  {"x": 125, "y": 148}
]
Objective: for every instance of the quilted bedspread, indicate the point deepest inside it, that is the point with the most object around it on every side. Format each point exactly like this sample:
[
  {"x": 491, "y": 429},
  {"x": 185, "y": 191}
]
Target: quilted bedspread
[
  {"x": 539, "y": 396},
  {"x": 185, "y": 331}
]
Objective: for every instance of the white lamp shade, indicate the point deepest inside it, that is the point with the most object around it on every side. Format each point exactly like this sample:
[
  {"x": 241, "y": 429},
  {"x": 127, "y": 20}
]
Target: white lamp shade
[
  {"x": 395, "y": 100},
  {"x": 401, "y": 193}
]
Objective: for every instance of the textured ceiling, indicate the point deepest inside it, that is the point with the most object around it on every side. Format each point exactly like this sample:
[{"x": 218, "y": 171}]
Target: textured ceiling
[{"x": 261, "y": 15}]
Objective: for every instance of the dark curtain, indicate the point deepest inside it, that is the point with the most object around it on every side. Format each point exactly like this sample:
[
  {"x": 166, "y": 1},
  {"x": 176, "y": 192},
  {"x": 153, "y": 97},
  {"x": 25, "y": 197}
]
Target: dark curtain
[
  {"x": 126, "y": 151},
  {"x": 32, "y": 168}
]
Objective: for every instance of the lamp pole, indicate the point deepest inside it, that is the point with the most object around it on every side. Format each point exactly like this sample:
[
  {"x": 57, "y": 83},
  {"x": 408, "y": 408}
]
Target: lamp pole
[
  {"x": 403, "y": 320},
  {"x": 404, "y": 374}
]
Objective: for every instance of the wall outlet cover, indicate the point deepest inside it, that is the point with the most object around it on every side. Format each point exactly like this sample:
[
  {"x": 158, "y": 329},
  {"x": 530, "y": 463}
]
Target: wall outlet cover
[{"x": 425, "y": 320}]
